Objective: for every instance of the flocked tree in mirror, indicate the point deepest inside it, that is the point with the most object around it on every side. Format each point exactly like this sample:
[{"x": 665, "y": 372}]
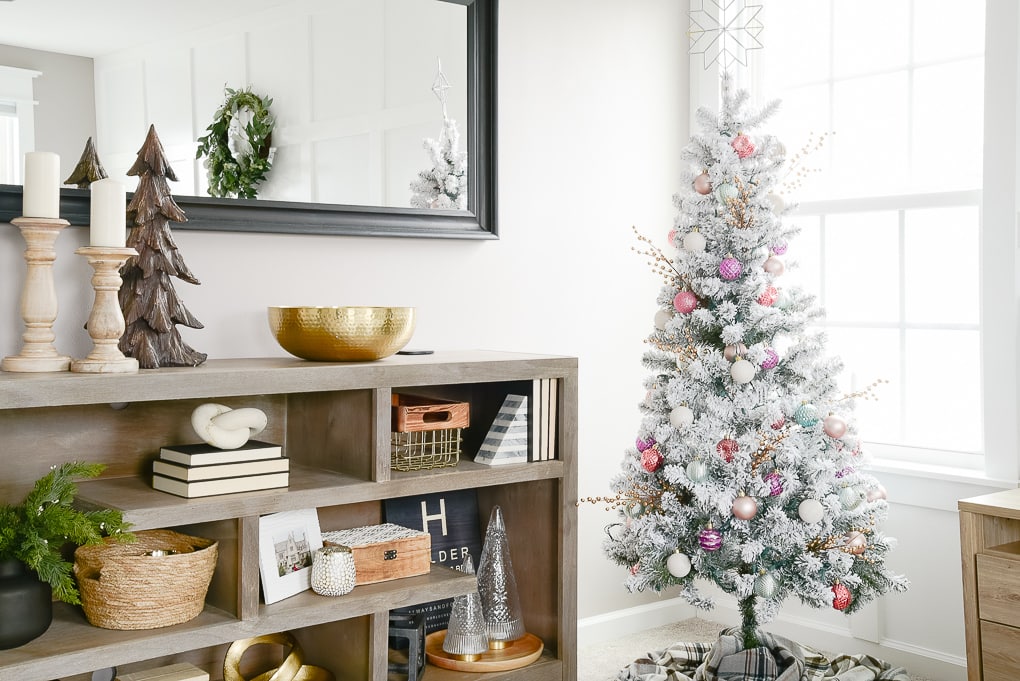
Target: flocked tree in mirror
[
  {"x": 89, "y": 168},
  {"x": 151, "y": 306},
  {"x": 748, "y": 469},
  {"x": 444, "y": 184}
]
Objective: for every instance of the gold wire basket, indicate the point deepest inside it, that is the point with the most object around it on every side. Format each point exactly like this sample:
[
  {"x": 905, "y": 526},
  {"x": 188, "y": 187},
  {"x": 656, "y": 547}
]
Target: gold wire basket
[{"x": 425, "y": 449}]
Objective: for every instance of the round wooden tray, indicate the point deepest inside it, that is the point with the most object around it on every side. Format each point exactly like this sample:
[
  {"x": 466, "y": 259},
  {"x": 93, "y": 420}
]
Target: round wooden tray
[{"x": 520, "y": 653}]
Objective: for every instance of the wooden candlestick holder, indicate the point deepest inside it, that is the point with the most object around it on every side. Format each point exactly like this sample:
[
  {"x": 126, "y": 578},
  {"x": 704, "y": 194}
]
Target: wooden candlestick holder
[
  {"x": 38, "y": 298},
  {"x": 106, "y": 322}
]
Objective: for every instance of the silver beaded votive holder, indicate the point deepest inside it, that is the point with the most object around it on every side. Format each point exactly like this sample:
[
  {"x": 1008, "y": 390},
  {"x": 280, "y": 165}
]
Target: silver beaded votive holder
[{"x": 333, "y": 572}]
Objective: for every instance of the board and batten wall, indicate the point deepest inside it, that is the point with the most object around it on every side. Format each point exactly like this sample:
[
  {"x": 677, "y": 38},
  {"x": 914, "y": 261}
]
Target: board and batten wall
[{"x": 593, "y": 111}]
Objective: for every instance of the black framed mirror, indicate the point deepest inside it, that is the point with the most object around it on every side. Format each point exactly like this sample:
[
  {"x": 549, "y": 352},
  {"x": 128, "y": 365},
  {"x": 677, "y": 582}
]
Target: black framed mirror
[{"x": 479, "y": 221}]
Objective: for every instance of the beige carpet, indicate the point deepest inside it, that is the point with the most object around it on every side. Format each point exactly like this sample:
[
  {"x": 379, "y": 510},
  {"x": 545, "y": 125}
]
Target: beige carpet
[{"x": 602, "y": 661}]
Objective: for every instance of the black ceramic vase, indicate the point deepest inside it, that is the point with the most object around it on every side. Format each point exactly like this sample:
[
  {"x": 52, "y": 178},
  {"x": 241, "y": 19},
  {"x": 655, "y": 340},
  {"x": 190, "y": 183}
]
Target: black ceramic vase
[{"x": 26, "y": 604}]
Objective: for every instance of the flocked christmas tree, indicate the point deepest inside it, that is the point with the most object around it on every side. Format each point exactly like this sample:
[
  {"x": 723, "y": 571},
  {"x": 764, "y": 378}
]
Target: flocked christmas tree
[
  {"x": 747, "y": 469},
  {"x": 151, "y": 306},
  {"x": 444, "y": 184}
]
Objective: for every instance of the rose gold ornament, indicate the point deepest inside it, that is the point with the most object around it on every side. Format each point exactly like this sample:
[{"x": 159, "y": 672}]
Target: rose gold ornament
[
  {"x": 774, "y": 266},
  {"x": 856, "y": 542},
  {"x": 732, "y": 351},
  {"x": 877, "y": 492},
  {"x": 702, "y": 184},
  {"x": 745, "y": 507},
  {"x": 834, "y": 426}
]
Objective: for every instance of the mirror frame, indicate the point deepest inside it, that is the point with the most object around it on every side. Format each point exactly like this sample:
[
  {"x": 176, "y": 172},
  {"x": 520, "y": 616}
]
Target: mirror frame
[{"x": 286, "y": 217}]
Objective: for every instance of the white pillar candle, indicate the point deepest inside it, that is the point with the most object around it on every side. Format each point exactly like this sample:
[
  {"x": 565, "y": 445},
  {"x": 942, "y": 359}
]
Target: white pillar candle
[
  {"x": 41, "y": 197},
  {"x": 108, "y": 214}
]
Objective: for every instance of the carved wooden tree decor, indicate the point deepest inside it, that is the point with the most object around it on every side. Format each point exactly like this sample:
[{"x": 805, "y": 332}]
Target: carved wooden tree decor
[
  {"x": 152, "y": 309},
  {"x": 89, "y": 168}
]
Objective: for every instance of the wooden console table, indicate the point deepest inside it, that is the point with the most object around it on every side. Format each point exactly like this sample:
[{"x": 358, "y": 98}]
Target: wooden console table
[{"x": 990, "y": 547}]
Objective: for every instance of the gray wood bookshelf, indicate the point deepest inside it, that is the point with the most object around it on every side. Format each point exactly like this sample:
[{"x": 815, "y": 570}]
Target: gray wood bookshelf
[{"x": 333, "y": 420}]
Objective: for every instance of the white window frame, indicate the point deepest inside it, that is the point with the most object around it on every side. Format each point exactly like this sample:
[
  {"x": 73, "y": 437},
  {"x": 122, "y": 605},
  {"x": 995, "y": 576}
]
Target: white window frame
[
  {"x": 998, "y": 250},
  {"x": 16, "y": 86}
]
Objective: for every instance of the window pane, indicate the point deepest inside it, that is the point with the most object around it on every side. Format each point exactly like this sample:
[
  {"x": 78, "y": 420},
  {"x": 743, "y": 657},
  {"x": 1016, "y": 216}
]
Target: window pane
[
  {"x": 869, "y": 355},
  {"x": 941, "y": 266},
  {"x": 943, "y": 379},
  {"x": 947, "y": 29},
  {"x": 10, "y": 167},
  {"x": 804, "y": 257},
  {"x": 870, "y": 35},
  {"x": 804, "y": 115},
  {"x": 862, "y": 267},
  {"x": 870, "y": 119},
  {"x": 809, "y": 20},
  {"x": 940, "y": 123}
]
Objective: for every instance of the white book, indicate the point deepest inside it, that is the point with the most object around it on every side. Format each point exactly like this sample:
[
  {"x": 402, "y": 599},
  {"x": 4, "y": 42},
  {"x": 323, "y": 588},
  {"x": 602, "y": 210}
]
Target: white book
[
  {"x": 208, "y": 488},
  {"x": 180, "y": 471},
  {"x": 202, "y": 454}
]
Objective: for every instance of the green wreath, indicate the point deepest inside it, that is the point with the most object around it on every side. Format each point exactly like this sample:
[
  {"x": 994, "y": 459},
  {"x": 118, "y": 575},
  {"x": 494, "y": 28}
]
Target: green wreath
[{"x": 237, "y": 145}]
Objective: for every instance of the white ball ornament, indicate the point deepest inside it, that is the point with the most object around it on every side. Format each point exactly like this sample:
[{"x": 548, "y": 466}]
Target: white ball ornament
[
  {"x": 679, "y": 565},
  {"x": 774, "y": 266},
  {"x": 742, "y": 371},
  {"x": 778, "y": 204},
  {"x": 694, "y": 242},
  {"x": 811, "y": 511},
  {"x": 681, "y": 417},
  {"x": 662, "y": 317},
  {"x": 877, "y": 492}
]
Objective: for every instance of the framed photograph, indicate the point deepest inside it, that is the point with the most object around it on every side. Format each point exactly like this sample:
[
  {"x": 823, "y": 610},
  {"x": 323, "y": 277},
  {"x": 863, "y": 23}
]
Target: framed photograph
[{"x": 287, "y": 543}]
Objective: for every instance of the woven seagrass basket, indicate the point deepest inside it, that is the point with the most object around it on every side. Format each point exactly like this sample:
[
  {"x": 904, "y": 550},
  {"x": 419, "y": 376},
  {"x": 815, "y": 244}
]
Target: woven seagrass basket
[{"x": 157, "y": 581}]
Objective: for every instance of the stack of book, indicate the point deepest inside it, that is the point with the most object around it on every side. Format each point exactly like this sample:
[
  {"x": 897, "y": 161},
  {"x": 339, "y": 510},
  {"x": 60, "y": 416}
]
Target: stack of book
[
  {"x": 201, "y": 470},
  {"x": 543, "y": 408}
]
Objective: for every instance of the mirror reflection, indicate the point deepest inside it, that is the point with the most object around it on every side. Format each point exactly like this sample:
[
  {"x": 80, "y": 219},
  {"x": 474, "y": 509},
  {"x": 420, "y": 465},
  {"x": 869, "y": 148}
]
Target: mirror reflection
[{"x": 351, "y": 83}]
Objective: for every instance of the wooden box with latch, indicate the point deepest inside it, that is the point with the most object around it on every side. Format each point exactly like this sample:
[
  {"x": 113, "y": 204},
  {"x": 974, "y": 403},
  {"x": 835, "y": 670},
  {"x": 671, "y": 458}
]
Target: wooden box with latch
[{"x": 383, "y": 552}]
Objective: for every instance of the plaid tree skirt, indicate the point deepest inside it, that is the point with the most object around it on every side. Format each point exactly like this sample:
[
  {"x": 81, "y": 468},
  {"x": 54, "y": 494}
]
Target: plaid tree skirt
[{"x": 779, "y": 659}]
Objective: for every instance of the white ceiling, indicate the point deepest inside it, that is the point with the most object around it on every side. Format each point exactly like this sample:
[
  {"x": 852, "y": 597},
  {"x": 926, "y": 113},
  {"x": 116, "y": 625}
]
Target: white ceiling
[{"x": 90, "y": 28}]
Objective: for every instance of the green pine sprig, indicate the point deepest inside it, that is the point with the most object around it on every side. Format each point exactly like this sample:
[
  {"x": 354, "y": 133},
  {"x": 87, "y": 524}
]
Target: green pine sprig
[
  {"x": 230, "y": 176},
  {"x": 36, "y": 530}
]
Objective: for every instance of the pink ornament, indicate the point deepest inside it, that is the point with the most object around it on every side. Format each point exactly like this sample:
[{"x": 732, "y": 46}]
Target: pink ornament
[
  {"x": 634, "y": 568},
  {"x": 730, "y": 268},
  {"x": 834, "y": 426},
  {"x": 780, "y": 423},
  {"x": 774, "y": 266},
  {"x": 651, "y": 459},
  {"x": 779, "y": 248},
  {"x": 843, "y": 472},
  {"x": 685, "y": 301},
  {"x": 775, "y": 482},
  {"x": 841, "y": 597},
  {"x": 769, "y": 296},
  {"x": 702, "y": 184},
  {"x": 745, "y": 507},
  {"x": 671, "y": 236},
  {"x": 771, "y": 359},
  {"x": 743, "y": 145},
  {"x": 726, "y": 448},
  {"x": 643, "y": 444},
  {"x": 710, "y": 539}
]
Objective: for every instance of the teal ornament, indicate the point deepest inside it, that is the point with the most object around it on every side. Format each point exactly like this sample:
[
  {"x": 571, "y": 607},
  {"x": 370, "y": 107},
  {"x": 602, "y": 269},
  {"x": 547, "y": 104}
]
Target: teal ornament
[
  {"x": 806, "y": 415},
  {"x": 765, "y": 585},
  {"x": 635, "y": 510},
  {"x": 850, "y": 498},
  {"x": 697, "y": 471},
  {"x": 726, "y": 192}
]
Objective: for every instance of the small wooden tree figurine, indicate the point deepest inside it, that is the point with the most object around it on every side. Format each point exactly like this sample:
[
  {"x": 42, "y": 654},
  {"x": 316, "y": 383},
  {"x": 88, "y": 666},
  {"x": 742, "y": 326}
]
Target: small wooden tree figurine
[
  {"x": 150, "y": 304},
  {"x": 89, "y": 168}
]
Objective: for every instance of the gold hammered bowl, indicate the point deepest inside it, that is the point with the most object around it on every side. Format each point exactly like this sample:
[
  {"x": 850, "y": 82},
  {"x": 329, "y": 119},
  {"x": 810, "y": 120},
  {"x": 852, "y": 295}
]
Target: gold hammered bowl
[{"x": 340, "y": 334}]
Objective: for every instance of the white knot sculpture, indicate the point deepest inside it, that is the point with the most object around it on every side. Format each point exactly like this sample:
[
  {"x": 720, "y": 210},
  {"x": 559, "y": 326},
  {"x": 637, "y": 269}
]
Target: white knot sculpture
[{"x": 226, "y": 428}]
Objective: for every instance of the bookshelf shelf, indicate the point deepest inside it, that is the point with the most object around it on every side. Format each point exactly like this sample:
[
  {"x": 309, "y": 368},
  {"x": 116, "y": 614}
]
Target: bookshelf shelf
[{"x": 333, "y": 422}]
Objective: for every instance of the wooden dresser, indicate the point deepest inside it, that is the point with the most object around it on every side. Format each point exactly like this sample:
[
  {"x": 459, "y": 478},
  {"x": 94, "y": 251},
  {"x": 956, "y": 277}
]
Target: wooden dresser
[{"x": 990, "y": 546}]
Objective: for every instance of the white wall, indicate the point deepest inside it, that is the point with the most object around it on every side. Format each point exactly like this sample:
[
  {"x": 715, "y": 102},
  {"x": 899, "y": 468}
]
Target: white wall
[{"x": 593, "y": 112}]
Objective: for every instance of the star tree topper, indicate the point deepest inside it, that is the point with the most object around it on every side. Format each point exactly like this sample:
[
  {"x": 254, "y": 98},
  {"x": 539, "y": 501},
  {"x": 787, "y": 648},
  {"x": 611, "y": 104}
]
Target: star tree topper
[{"x": 724, "y": 31}]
